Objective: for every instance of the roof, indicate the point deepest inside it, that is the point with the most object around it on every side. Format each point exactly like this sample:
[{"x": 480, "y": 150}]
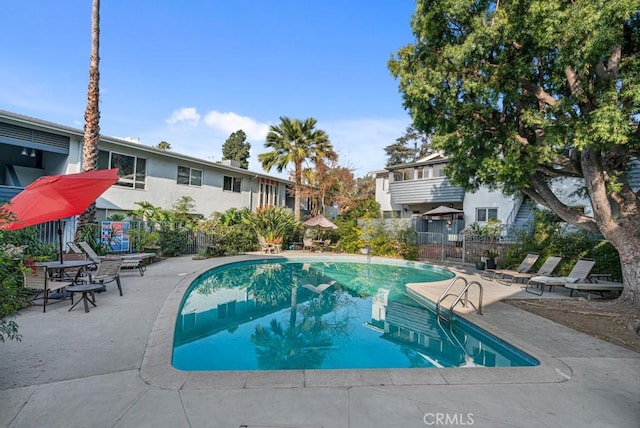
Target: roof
[
  {"x": 434, "y": 158},
  {"x": 31, "y": 122}
]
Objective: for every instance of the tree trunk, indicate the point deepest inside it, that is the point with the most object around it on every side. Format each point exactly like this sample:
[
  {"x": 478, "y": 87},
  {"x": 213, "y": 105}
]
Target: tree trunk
[
  {"x": 621, "y": 228},
  {"x": 628, "y": 247},
  {"x": 296, "y": 190},
  {"x": 92, "y": 112}
]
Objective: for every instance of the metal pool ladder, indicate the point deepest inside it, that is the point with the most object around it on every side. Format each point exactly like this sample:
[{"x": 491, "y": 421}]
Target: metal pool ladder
[{"x": 462, "y": 297}]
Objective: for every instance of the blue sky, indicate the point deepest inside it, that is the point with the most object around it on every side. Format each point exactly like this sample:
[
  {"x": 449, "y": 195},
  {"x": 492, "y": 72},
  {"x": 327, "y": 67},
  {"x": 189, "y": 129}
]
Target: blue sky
[{"x": 192, "y": 72}]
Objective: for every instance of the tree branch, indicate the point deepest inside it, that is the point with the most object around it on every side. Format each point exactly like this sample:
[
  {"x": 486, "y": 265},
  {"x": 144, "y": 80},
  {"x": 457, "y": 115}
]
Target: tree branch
[
  {"x": 575, "y": 85},
  {"x": 538, "y": 92},
  {"x": 541, "y": 193},
  {"x": 565, "y": 171},
  {"x": 613, "y": 67}
]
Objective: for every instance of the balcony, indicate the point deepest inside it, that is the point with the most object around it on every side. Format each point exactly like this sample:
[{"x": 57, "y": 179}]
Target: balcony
[
  {"x": 8, "y": 192},
  {"x": 429, "y": 190}
]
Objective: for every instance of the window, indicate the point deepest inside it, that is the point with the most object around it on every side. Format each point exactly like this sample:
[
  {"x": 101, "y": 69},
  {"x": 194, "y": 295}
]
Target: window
[
  {"x": 132, "y": 170},
  {"x": 232, "y": 184},
  {"x": 189, "y": 176},
  {"x": 268, "y": 193},
  {"x": 391, "y": 214},
  {"x": 438, "y": 170},
  {"x": 403, "y": 174},
  {"x": 484, "y": 214}
]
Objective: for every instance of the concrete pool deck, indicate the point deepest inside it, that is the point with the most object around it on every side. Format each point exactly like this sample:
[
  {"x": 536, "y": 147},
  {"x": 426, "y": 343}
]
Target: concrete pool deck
[{"x": 110, "y": 368}]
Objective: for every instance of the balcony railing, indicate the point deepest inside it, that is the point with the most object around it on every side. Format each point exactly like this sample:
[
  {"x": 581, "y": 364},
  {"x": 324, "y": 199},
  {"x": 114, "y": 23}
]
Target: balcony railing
[
  {"x": 8, "y": 192},
  {"x": 428, "y": 190}
]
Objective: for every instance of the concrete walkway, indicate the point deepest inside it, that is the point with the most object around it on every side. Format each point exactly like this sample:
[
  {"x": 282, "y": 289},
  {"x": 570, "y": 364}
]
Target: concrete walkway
[{"x": 111, "y": 368}]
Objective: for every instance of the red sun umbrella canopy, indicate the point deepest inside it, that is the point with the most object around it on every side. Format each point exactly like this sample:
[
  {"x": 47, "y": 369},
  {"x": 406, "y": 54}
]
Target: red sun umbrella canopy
[
  {"x": 320, "y": 221},
  {"x": 57, "y": 196}
]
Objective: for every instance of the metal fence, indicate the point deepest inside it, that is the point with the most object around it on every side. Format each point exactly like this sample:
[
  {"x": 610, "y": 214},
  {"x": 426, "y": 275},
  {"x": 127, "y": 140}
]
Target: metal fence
[
  {"x": 466, "y": 249},
  {"x": 140, "y": 233}
]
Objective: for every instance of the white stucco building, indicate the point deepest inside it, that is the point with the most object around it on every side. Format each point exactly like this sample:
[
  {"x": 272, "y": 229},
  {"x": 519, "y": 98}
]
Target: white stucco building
[{"x": 30, "y": 148}]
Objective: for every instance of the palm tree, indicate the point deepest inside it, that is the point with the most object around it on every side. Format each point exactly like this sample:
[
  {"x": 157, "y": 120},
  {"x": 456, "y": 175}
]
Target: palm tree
[
  {"x": 295, "y": 141},
  {"x": 163, "y": 145},
  {"x": 92, "y": 113}
]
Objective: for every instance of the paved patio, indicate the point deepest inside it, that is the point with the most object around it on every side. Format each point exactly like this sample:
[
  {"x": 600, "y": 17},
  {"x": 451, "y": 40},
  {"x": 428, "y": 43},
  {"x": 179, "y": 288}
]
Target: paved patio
[{"x": 111, "y": 368}]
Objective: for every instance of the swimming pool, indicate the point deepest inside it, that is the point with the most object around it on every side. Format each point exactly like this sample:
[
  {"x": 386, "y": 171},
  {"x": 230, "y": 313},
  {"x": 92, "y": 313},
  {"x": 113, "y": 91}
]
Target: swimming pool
[{"x": 281, "y": 314}]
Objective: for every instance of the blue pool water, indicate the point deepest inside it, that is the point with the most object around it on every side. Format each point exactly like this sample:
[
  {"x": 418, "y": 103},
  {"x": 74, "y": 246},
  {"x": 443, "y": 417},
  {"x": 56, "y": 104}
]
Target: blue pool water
[{"x": 324, "y": 314}]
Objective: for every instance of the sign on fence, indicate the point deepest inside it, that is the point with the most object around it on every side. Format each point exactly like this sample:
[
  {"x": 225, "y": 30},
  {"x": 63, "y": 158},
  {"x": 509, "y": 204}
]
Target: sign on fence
[{"x": 115, "y": 235}]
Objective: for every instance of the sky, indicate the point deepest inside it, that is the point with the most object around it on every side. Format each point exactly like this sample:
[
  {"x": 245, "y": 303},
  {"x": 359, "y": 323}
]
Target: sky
[{"x": 193, "y": 72}]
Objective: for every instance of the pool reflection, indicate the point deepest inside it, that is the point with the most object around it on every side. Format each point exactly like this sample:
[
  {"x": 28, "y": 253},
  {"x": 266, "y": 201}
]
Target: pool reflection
[{"x": 281, "y": 316}]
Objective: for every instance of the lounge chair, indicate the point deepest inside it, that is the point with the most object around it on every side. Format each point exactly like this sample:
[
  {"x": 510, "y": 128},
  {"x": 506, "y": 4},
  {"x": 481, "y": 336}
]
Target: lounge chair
[
  {"x": 89, "y": 251},
  {"x": 37, "y": 278},
  {"x": 547, "y": 268},
  {"x": 73, "y": 247},
  {"x": 579, "y": 273},
  {"x": 525, "y": 267},
  {"x": 266, "y": 247},
  {"x": 597, "y": 286}
]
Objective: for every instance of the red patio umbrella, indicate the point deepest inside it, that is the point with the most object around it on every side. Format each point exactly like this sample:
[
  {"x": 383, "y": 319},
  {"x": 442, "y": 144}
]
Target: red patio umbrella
[{"x": 55, "y": 197}]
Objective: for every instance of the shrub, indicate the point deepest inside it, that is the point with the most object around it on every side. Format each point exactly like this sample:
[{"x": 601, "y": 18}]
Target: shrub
[
  {"x": 173, "y": 240},
  {"x": 551, "y": 237},
  {"x": 16, "y": 246},
  {"x": 276, "y": 224},
  {"x": 228, "y": 234}
]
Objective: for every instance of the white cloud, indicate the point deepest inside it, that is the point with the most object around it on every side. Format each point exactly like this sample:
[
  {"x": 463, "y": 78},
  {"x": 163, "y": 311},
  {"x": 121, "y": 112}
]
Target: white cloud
[
  {"x": 360, "y": 142},
  {"x": 187, "y": 115},
  {"x": 230, "y": 122}
]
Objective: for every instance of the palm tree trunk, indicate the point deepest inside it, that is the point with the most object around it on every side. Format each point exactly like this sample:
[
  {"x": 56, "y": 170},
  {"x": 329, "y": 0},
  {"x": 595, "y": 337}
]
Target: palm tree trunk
[
  {"x": 92, "y": 113},
  {"x": 298, "y": 180}
]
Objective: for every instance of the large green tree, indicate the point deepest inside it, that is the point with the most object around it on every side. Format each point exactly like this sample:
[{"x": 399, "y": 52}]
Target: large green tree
[
  {"x": 295, "y": 141},
  {"x": 237, "y": 148},
  {"x": 92, "y": 112},
  {"x": 520, "y": 94}
]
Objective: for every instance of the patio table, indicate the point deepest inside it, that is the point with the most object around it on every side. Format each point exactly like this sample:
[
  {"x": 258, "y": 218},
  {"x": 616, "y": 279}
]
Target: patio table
[
  {"x": 86, "y": 290},
  {"x": 67, "y": 264}
]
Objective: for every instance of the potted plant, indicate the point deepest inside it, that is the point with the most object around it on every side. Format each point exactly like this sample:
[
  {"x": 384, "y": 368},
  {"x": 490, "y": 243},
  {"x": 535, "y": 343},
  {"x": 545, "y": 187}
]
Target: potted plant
[{"x": 490, "y": 259}]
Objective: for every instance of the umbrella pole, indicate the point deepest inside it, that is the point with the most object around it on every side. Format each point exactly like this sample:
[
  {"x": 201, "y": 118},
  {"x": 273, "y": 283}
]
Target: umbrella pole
[{"x": 60, "y": 238}]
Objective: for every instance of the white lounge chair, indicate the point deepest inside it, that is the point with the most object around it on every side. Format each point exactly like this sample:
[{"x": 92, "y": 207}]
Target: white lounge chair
[
  {"x": 547, "y": 268},
  {"x": 579, "y": 273}
]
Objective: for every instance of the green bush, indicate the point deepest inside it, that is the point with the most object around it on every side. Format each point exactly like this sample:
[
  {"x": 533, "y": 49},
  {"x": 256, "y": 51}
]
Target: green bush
[
  {"x": 17, "y": 245},
  {"x": 386, "y": 238},
  {"x": 551, "y": 237},
  {"x": 12, "y": 296},
  {"x": 350, "y": 235},
  {"x": 276, "y": 224},
  {"x": 228, "y": 234},
  {"x": 173, "y": 240}
]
